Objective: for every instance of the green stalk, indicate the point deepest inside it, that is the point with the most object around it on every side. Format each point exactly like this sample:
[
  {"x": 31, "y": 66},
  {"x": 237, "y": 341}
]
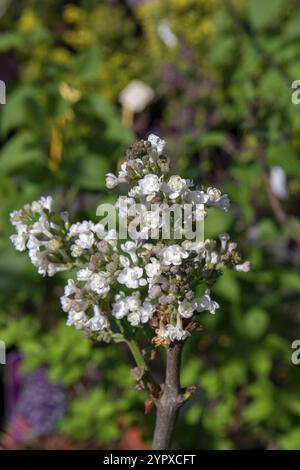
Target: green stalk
[
  {"x": 134, "y": 347},
  {"x": 147, "y": 380},
  {"x": 137, "y": 354}
]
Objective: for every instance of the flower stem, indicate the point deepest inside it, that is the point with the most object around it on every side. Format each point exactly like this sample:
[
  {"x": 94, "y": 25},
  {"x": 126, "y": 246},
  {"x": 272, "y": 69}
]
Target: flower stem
[
  {"x": 138, "y": 356},
  {"x": 168, "y": 404},
  {"x": 133, "y": 346}
]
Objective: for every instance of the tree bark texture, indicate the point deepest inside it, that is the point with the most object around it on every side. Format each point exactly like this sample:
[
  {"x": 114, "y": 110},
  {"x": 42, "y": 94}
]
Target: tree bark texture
[{"x": 168, "y": 404}]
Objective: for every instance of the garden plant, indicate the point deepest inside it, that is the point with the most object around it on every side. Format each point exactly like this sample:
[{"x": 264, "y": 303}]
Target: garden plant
[{"x": 151, "y": 279}]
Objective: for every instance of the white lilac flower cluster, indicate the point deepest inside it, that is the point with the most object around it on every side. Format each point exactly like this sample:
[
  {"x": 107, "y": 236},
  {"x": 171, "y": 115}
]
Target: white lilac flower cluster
[
  {"x": 42, "y": 235},
  {"x": 140, "y": 280}
]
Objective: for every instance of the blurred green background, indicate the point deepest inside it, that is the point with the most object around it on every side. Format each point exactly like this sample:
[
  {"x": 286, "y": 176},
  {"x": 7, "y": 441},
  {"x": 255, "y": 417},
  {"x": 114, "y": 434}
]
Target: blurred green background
[{"x": 221, "y": 75}]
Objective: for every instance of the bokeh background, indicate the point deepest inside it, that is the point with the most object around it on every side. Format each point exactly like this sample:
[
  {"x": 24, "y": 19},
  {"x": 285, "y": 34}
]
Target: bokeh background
[{"x": 214, "y": 80}]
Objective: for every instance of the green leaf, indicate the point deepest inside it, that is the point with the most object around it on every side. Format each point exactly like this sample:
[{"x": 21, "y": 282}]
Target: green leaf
[
  {"x": 286, "y": 157},
  {"x": 258, "y": 410},
  {"x": 256, "y": 322},
  {"x": 264, "y": 13},
  {"x": 216, "y": 222},
  {"x": 228, "y": 287},
  {"x": 91, "y": 172},
  {"x": 10, "y": 40},
  {"x": 15, "y": 112},
  {"x": 21, "y": 150},
  {"x": 87, "y": 64},
  {"x": 261, "y": 362},
  {"x": 290, "y": 281},
  {"x": 291, "y": 440},
  {"x": 212, "y": 139}
]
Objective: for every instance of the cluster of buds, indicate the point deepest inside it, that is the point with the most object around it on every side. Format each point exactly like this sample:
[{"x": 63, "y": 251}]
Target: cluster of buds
[{"x": 142, "y": 279}]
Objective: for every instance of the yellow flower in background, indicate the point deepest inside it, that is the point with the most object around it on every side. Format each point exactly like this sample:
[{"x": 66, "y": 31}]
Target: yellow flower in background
[
  {"x": 207, "y": 26},
  {"x": 28, "y": 21},
  {"x": 57, "y": 143},
  {"x": 78, "y": 38},
  {"x": 176, "y": 22},
  {"x": 56, "y": 149},
  {"x": 73, "y": 14},
  {"x": 69, "y": 93},
  {"x": 60, "y": 55}
]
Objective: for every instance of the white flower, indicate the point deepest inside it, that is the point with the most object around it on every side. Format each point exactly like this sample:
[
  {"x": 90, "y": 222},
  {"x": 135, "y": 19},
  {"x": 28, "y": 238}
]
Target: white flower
[
  {"x": 42, "y": 203},
  {"x": 157, "y": 143},
  {"x": 214, "y": 257},
  {"x": 124, "y": 261},
  {"x": 98, "y": 321},
  {"x": 174, "y": 254},
  {"x": 72, "y": 299},
  {"x": 224, "y": 238},
  {"x": 245, "y": 267},
  {"x": 141, "y": 315},
  {"x": 84, "y": 274},
  {"x": 46, "y": 203},
  {"x": 133, "y": 302},
  {"x": 152, "y": 219},
  {"x": 135, "y": 191},
  {"x": 100, "y": 282},
  {"x": 173, "y": 332},
  {"x": 146, "y": 311},
  {"x": 20, "y": 239},
  {"x": 123, "y": 204},
  {"x": 278, "y": 182},
  {"x": 231, "y": 247},
  {"x": 16, "y": 218},
  {"x": 214, "y": 194},
  {"x": 166, "y": 34},
  {"x": 176, "y": 333},
  {"x": 86, "y": 226},
  {"x": 134, "y": 318},
  {"x": 193, "y": 246},
  {"x": 198, "y": 197},
  {"x": 84, "y": 233},
  {"x": 175, "y": 186},
  {"x": 205, "y": 303},
  {"x": 185, "y": 308},
  {"x": 76, "y": 251},
  {"x": 136, "y": 96},
  {"x": 150, "y": 184},
  {"x": 153, "y": 269},
  {"x": 130, "y": 247},
  {"x": 111, "y": 181},
  {"x": 120, "y": 306},
  {"x": 123, "y": 305},
  {"x": 122, "y": 176},
  {"x": 52, "y": 269},
  {"x": 216, "y": 199},
  {"x": 77, "y": 319},
  {"x": 132, "y": 277},
  {"x": 42, "y": 226},
  {"x": 154, "y": 291},
  {"x": 71, "y": 288},
  {"x": 85, "y": 240}
]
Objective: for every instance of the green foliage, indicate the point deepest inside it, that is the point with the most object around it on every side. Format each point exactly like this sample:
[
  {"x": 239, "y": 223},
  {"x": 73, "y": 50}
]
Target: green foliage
[{"x": 223, "y": 101}]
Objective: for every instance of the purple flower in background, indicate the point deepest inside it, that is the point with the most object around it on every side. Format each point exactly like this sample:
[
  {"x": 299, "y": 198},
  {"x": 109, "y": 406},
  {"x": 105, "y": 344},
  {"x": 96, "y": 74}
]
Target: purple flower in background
[
  {"x": 41, "y": 402},
  {"x": 38, "y": 407}
]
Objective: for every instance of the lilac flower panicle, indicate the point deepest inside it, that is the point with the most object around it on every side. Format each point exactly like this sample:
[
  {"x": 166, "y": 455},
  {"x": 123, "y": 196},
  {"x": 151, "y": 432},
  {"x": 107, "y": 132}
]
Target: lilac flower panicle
[{"x": 141, "y": 280}]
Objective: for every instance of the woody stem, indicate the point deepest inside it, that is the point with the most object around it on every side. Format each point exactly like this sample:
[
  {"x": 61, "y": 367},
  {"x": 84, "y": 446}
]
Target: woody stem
[{"x": 168, "y": 404}]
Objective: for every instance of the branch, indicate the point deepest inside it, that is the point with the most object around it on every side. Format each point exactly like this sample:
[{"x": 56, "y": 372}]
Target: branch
[{"x": 170, "y": 401}]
